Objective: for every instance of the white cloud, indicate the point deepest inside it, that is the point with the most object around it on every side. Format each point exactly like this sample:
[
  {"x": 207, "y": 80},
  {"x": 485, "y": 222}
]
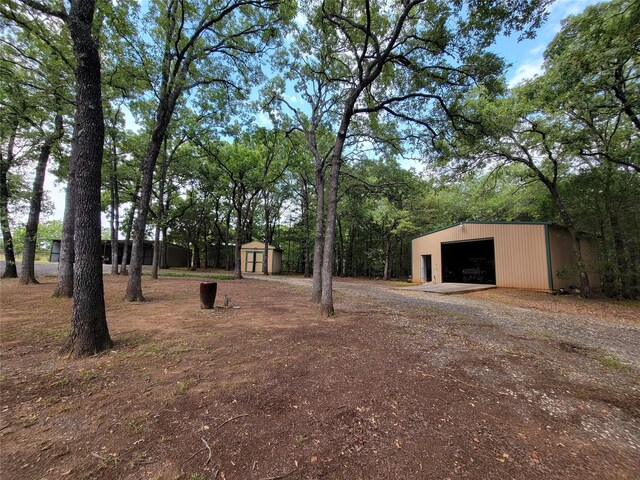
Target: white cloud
[
  {"x": 526, "y": 71},
  {"x": 563, "y": 8},
  {"x": 263, "y": 120},
  {"x": 537, "y": 50},
  {"x": 301, "y": 19}
]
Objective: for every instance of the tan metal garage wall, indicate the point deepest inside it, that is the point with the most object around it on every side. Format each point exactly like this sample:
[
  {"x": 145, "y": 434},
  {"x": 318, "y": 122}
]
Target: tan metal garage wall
[
  {"x": 520, "y": 252},
  {"x": 563, "y": 260}
]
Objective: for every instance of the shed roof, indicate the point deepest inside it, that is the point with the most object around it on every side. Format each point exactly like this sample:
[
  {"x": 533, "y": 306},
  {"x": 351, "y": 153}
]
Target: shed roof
[{"x": 258, "y": 245}]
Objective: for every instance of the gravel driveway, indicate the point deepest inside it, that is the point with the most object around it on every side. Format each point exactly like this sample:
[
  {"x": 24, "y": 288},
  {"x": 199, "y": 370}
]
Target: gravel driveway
[{"x": 583, "y": 332}]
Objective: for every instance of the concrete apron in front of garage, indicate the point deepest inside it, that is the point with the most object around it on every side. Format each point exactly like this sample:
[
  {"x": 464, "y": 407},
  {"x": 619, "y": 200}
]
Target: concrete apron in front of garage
[{"x": 449, "y": 288}]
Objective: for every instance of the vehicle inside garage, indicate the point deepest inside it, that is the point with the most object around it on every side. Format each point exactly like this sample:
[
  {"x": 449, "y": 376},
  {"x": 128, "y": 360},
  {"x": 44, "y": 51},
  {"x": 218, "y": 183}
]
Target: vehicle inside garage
[{"x": 469, "y": 262}]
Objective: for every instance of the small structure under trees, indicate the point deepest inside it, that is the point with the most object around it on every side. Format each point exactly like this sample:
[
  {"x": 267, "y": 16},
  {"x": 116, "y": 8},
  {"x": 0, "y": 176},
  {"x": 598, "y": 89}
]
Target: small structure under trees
[{"x": 252, "y": 258}]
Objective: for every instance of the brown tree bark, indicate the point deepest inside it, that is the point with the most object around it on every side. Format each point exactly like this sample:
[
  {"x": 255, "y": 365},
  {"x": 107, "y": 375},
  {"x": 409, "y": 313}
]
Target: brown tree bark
[
  {"x": 114, "y": 220},
  {"x": 89, "y": 334},
  {"x": 164, "y": 112},
  {"x": 124, "y": 270},
  {"x": 326, "y": 301},
  {"x": 267, "y": 233},
  {"x": 10, "y": 269},
  {"x": 307, "y": 230},
  {"x": 64, "y": 283},
  {"x": 28, "y": 271},
  {"x": 162, "y": 177},
  {"x": 237, "y": 271},
  {"x": 318, "y": 247}
]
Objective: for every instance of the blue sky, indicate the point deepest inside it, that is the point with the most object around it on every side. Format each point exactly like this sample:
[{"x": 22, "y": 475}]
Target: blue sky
[{"x": 525, "y": 58}]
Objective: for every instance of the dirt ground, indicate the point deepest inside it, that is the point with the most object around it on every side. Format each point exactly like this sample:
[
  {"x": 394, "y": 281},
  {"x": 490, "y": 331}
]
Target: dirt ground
[{"x": 500, "y": 384}]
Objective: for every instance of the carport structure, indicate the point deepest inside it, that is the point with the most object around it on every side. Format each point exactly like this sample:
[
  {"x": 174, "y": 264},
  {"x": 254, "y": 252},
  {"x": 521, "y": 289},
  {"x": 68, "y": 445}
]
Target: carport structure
[{"x": 535, "y": 256}]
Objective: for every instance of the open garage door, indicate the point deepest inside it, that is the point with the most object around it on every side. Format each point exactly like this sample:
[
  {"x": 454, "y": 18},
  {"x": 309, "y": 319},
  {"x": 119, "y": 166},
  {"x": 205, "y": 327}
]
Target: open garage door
[{"x": 469, "y": 262}]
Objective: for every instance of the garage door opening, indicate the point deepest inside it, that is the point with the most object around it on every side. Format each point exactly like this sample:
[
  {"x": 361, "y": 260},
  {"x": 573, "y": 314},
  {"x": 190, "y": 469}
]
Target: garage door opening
[{"x": 469, "y": 262}]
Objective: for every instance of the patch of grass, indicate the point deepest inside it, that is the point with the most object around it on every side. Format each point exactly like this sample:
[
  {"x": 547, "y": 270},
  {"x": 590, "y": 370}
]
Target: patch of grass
[
  {"x": 133, "y": 341},
  {"x": 611, "y": 361},
  {"x": 212, "y": 276},
  {"x": 301, "y": 438},
  {"x": 151, "y": 350},
  {"x": 87, "y": 375},
  {"x": 581, "y": 392},
  {"x": 546, "y": 334},
  {"x": 628, "y": 303},
  {"x": 182, "y": 387},
  {"x": 197, "y": 476},
  {"x": 61, "y": 381},
  {"x": 135, "y": 424}
]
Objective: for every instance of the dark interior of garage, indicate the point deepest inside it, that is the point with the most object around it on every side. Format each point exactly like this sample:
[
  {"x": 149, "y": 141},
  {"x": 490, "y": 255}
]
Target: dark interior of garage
[{"x": 469, "y": 262}]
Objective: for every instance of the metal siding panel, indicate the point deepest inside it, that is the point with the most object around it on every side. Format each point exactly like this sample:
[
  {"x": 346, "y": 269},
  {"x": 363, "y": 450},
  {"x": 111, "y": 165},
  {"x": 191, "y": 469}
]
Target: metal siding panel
[{"x": 520, "y": 252}]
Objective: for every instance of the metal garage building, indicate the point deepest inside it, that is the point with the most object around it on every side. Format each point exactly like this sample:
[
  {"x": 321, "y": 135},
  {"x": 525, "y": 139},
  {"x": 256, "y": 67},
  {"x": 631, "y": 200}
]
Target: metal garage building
[
  {"x": 516, "y": 255},
  {"x": 177, "y": 256}
]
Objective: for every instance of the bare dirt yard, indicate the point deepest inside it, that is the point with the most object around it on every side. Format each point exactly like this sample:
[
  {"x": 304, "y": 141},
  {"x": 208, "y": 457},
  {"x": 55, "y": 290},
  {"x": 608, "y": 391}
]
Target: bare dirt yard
[{"x": 398, "y": 384}]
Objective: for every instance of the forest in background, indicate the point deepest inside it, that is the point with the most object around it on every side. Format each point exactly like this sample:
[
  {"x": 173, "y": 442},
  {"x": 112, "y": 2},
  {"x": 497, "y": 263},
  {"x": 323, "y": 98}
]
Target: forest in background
[{"x": 303, "y": 139}]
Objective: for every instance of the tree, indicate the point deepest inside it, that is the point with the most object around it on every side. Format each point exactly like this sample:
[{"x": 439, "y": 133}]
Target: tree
[
  {"x": 6, "y": 160},
  {"x": 591, "y": 84},
  {"x": 322, "y": 97},
  {"x": 211, "y": 46},
  {"x": 244, "y": 167},
  {"x": 278, "y": 156},
  {"x": 35, "y": 93},
  {"x": 517, "y": 130},
  {"x": 592, "y": 74},
  {"x": 89, "y": 332},
  {"x": 406, "y": 63},
  {"x": 28, "y": 274}
]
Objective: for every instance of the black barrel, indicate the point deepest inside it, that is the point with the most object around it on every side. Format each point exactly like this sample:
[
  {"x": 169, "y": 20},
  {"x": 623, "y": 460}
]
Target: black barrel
[{"x": 208, "y": 292}]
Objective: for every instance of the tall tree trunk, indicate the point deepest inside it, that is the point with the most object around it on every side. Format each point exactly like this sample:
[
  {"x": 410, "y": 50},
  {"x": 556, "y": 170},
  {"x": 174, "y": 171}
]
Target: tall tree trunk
[
  {"x": 205, "y": 242},
  {"x": 10, "y": 269},
  {"x": 267, "y": 235},
  {"x": 318, "y": 247},
  {"x": 127, "y": 237},
  {"x": 164, "y": 247},
  {"x": 237, "y": 273},
  {"x": 196, "y": 253},
  {"x": 160, "y": 213},
  {"x": 114, "y": 218},
  {"x": 226, "y": 242},
  {"x": 28, "y": 272},
  {"x": 156, "y": 250},
  {"x": 90, "y": 333},
  {"x": 64, "y": 283},
  {"x": 307, "y": 232},
  {"x": 349, "y": 265},
  {"x": 326, "y": 301},
  {"x": 340, "y": 262},
  {"x": 163, "y": 116},
  {"x": 386, "y": 275}
]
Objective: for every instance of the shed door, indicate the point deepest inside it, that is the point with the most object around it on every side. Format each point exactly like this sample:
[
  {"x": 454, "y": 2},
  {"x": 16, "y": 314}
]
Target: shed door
[{"x": 253, "y": 261}]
